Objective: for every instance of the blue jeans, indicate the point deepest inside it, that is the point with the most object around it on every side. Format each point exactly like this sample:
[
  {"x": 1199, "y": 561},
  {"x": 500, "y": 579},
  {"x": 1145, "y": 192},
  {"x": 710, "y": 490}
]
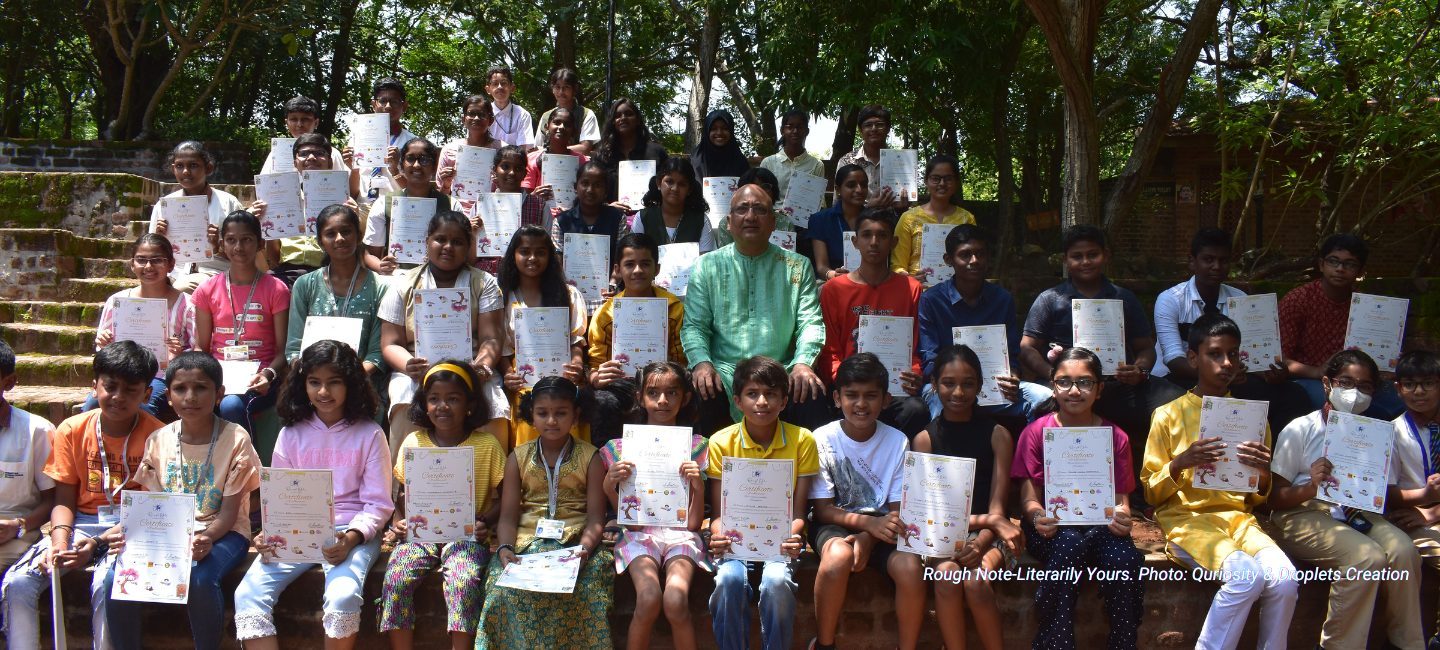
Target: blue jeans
[
  {"x": 730, "y": 605},
  {"x": 1032, "y": 395},
  {"x": 158, "y": 393},
  {"x": 1385, "y": 404},
  {"x": 240, "y": 409},
  {"x": 207, "y": 602},
  {"x": 344, "y": 588}
]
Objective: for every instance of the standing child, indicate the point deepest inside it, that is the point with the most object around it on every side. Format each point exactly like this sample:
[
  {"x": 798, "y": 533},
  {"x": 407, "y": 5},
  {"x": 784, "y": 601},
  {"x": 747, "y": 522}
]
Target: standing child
[
  {"x": 1213, "y": 529},
  {"x": 561, "y": 483},
  {"x": 327, "y": 408},
  {"x": 994, "y": 542},
  {"x": 192, "y": 165},
  {"x": 1077, "y": 382},
  {"x": 857, "y": 502},
  {"x": 449, "y": 408},
  {"x": 759, "y": 386},
  {"x": 26, "y": 494},
  {"x": 184, "y": 457},
  {"x": 648, "y": 551}
]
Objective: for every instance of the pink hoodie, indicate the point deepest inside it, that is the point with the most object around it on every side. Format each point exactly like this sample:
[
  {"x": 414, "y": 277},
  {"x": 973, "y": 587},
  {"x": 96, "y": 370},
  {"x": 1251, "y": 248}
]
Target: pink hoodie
[{"x": 359, "y": 456}]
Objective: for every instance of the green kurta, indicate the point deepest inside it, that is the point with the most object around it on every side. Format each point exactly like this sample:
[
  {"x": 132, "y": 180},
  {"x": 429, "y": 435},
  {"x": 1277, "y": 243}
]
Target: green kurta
[
  {"x": 737, "y": 307},
  {"x": 311, "y": 296}
]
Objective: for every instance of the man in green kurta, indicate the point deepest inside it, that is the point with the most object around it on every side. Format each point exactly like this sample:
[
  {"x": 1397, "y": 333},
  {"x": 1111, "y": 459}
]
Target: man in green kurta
[{"x": 753, "y": 298}]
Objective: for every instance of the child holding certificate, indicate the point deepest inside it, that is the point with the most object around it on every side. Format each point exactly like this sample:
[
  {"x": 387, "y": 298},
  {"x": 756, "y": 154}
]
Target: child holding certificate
[
  {"x": 994, "y": 542},
  {"x": 553, "y": 498},
  {"x": 760, "y": 387},
  {"x": 192, "y": 165},
  {"x": 151, "y": 260},
  {"x": 531, "y": 276},
  {"x": 450, "y": 407},
  {"x": 1333, "y": 537},
  {"x": 942, "y": 177},
  {"x": 1214, "y": 530},
  {"x": 417, "y": 164},
  {"x": 327, "y": 408},
  {"x": 213, "y": 460},
  {"x": 1077, "y": 382},
  {"x": 649, "y": 552}
]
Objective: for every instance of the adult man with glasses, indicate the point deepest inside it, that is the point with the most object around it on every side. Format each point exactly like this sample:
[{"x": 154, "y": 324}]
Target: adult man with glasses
[
  {"x": 753, "y": 298},
  {"x": 874, "y": 126},
  {"x": 1313, "y": 320}
]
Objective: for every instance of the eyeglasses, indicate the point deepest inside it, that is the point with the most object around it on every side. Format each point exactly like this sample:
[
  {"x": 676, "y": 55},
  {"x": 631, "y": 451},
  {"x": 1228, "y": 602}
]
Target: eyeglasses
[
  {"x": 757, "y": 210},
  {"x": 877, "y": 124},
  {"x": 1337, "y": 263},
  {"x": 1426, "y": 385},
  {"x": 941, "y": 180},
  {"x": 312, "y": 153},
  {"x": 419, "y": 160},
  {"x": 150, "y": 261},
  {"x": 1348, "y": 383},
  {"x": 1065, "y": 383}
]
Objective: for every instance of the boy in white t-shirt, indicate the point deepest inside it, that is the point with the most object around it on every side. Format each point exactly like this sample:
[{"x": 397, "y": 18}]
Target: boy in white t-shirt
[
  {"x": 26, "y": 493},
  {"x": 856, "y": 502},
  {"x": 512, "y": 123}
]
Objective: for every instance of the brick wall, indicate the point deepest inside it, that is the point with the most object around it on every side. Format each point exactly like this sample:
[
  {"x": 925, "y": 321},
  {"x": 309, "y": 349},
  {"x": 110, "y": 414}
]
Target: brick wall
[{"x": 140, "y": 158}]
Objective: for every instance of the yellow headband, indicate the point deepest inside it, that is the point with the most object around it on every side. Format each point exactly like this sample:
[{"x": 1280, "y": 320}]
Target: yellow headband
[{"x": 452, "y": 368}]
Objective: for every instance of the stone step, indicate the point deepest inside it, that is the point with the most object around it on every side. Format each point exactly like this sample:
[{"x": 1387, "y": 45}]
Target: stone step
[
  {"x": 93, "y": 290},
  {"x": 54, "y": 403},
  {"x": 35, "y": 338},
  {"x": 52, "y": 313},
  {"x": 44, "y": 370},
  {"x": 105, "y": 268}
]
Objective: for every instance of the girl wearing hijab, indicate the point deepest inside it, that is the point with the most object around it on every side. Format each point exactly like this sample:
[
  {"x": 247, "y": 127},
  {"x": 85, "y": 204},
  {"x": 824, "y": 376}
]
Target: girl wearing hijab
[{"x": 718, "y": 154}]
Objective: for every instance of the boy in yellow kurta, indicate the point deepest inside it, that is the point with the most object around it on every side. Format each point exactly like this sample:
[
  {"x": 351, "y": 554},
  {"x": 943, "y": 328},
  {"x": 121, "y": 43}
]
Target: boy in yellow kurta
[{"x": 1213, "y": 530}]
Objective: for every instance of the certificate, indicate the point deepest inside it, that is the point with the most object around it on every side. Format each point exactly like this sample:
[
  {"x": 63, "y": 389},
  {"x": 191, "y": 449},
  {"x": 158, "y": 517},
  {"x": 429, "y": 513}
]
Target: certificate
[
  {"x": 1376, "y": 327},
  {"x": 1361, "y": 450},
  {"x": 1080, "y": 475},
  {"x": 898, "y": 172},
  {"x": 932, "y": 253},
  {"x": 783, "y": 239},
  {"x": 935, "y": 504},
  {"x": 558, "y": 170},
  {"x": 440, "y": 493},
  {"x": 852, "y": 254},
  {"x": 634, "y": 181},
  {"x": 236, "y": 375},
  {"x": 640, "y": 332},
  {"x": 499, "y": 219},
  {"x": 187, "y": 226},
  {"x": 1259, "y": 324},
  {"x": 655, "y": 494},
  {"x": 442, "y": 324},
  {"x": 587, "y": 264},
  {"x": 1233, "y": 421},
  {"x": 322, "y": 189},
  {"x": 992, "y": 344},
  {"x": 553, "y": 572},
  {"x": 284, "y": 215},
  {"x": 472, "y": 172},
  {"x": 804, "y": 196},
  {"x": 409, "y": 219},
  {"x": 892, "y": 338},
  {"x": 755, "y": 506},
  {"x": 370, "y": 138},
  {"x": 1099, "y": 326},
  {"x": 542, "y": 342},
  {"x": 154, "y": 566},
  {"x": 282, "y": 154},
  {"x": 145, "y": 321},
  {"x": 333, "y": 328},
  {"x": 675, "y": 262},
  {"x": 297, "y": 513},
  {"x": 717, "y": 191}
]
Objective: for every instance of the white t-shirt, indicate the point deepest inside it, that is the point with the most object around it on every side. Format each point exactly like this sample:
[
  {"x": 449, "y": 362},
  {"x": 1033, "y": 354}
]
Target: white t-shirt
[
  {"x": 1301, "y": 443},
  {"x": 222, "y": 203},
  {"x": 862, "y": 477},
  {"x": 513, "y": 126},
  {"x": 1410, "y": 455},
  {"x": 24, "y": 448},
  {"x": 337, "y": 162},
  {"x": 392, "y": 306}
]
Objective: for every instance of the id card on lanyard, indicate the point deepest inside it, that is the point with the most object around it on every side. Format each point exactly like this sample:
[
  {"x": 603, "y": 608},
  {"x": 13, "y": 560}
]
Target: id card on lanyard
[
  {"x": 109, "y": 514},
  {"x": 552, "y": 528}
]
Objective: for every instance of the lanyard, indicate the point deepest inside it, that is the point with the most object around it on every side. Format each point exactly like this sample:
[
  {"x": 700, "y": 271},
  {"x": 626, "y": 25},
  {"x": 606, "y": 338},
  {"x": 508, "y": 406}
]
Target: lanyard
[
  {"x": 552, "y": 476},
  {"x": 239, "y": 314},
  {"x": 186, "y": 485},
  {"x": 1424, "y": 448},
  {"x": 348, "y": 294},
  {"x": 105, "y": 461}
]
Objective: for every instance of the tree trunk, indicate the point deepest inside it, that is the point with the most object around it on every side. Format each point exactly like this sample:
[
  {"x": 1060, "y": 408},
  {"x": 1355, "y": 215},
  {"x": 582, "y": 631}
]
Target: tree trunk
[
  {"x": 339, "y": 67},
  {"x": 705, "y": 49},
  {"x": 1070, "y": 27},
  {"x": 1004, "y": 157}
]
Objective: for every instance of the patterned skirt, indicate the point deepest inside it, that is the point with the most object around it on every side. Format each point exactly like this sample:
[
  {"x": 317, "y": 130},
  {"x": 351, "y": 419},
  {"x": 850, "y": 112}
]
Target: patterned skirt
[{"x": 514, "y": 619}]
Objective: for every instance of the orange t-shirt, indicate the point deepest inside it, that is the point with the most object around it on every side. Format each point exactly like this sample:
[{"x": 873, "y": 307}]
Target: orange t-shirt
[{"x": 76, "y": 459}]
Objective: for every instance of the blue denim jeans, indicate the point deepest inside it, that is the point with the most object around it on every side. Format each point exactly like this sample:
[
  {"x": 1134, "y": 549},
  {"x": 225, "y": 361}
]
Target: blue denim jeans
[
  {"x": 25, "y": 581},
  {"x": 344, "y": 588},
  {"x": 1385, "y": 404},
  {"x": 1032, "y": 395},
  {"x": 206, "y": 605},
  {"x": 158, "y": 394},
  {"x": 240, "y": 408},
  {"x": 730, "y": 605}
]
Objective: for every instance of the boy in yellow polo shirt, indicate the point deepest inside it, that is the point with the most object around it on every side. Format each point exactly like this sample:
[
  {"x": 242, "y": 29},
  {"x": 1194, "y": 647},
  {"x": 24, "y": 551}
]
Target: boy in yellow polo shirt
[{"x": 760, "y": 393}]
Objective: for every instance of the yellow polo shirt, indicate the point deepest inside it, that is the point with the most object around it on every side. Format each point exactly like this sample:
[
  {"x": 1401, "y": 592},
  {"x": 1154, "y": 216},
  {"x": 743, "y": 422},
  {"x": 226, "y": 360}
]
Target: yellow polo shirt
[{"x": 790, "y": 443}]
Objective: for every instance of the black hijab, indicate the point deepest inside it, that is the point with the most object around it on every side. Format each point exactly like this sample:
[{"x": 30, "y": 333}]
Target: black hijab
[{"x": 710, "y": 160}]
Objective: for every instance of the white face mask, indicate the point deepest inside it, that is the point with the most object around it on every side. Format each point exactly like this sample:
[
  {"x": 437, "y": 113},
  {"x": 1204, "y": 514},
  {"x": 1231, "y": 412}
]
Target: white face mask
[{"x": 1349, "y": 400}]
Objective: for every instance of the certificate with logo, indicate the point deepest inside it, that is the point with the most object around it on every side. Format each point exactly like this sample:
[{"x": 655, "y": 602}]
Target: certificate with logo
[
  {"x": 898, "y": 172},
  {"x": 1233, "y": 421},
  {"x": 717, "y": 191},
  {"x": 675, "y": 262},
  {"x": 784, "y": 239},
  {"x": 587, "y": 264},
  {"x": 440, "y": 493},
  {"x": 558, "y": 170},
  {"x": 322, "y": 188},
  {"x": 333, "y": 328},
  {"x": 935, "y": 504},
  {"x": 499, "y": 219},
  {"x": 472, "y": 172},
  {"x": 932, "y": 253},
  {"x": 297, "y": 511},
  {"x": 804, "y": 196},
  {"x": 755, "y": 506},
  {"x": 442, "y": 324},
  {"x": 655, "y": 494},
  {"x": 370, "y": 139},
  {"x": 892, "y": 339},
  {"x": 1259, "y": 323},
  {"x": 154, "y": 566},
  {"x": 282, "y": 154},
  {"x": 640, "y": 333},
  {"x": 1362, "y": 450},
  {"x": 991, "y": 344},
  {"x": 1377, "y": 327},
  {"x": 1099, "y": 326},
  {"x": 542, "y": 342},
  {"x": 145, "y": 321},
  {"x": 187, "y": 224},
  {"x": 554, "y": 572},
  {"x": 1079, "y": 475},
  {"x": 634, "y": 181},
  {"x": 409, "y": 219}
]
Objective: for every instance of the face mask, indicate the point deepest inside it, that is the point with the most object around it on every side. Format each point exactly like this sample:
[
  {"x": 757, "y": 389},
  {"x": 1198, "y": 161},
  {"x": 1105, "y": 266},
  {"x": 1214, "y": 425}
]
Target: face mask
[{"x": 1349, "y": 400}]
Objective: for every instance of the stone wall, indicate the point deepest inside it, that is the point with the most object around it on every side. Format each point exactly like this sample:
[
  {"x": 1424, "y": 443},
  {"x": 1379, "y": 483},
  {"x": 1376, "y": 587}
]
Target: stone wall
[{"x": 140, "y": 158}]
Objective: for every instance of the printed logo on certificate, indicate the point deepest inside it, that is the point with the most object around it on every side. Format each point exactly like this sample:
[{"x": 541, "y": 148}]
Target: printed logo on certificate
[
  {"x": 1361, "y": 449},
  {"x": 655, "y": 494},
  {"x": 935, "y": 495},
  {"x": 154, "y": 565},
  {"x": 1233, "y": 421},
  {"x": 1079, "y": 475},
  {"x": 440, "y": 493},
  {"x": 297, "y": 511},
  {"x": 1377, "y": 327},
  {"x": 755, "y": 506}
]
